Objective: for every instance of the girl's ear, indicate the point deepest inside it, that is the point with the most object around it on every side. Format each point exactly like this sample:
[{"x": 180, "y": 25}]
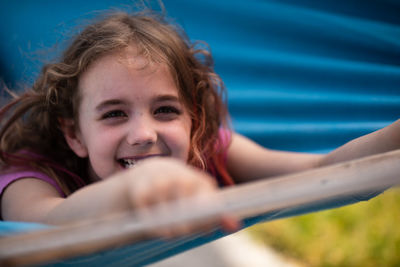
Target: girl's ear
[{"x": 73, "y": 137}]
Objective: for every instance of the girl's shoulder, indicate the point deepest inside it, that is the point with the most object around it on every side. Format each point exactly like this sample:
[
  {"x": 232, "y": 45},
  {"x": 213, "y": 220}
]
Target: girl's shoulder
[
  {"x": 26, "y": 163},
  {"x": 216, "y": 165},
  {"x": 224, "y": 137},
  {"x": 13, "y": 174}
]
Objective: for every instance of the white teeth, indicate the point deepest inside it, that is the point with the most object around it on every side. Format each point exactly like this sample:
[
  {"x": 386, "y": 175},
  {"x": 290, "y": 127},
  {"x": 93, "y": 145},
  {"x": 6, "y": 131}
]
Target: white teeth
[{"x": 129, "y": 163}]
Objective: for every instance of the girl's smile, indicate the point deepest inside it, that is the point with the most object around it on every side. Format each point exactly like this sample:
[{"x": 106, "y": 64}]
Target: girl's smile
[
  {"x": 130, "y": 110},
  {"x": 127, "y": 163}
]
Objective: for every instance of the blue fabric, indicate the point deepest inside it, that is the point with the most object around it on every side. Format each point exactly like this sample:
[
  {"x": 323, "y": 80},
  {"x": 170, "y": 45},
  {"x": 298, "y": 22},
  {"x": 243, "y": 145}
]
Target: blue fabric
[
  {"x": 301, "y": 75},
  {"x": 322, "y": 72}
]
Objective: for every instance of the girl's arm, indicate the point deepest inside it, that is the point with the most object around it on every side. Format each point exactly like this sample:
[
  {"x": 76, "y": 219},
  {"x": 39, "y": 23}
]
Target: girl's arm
[
  {"x": 150, "y": 182},
  {"x": 248, "y": 161}
]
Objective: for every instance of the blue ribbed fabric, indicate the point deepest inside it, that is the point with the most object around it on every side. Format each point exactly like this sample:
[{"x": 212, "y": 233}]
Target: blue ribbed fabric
[{"x": 301, "y": 75}]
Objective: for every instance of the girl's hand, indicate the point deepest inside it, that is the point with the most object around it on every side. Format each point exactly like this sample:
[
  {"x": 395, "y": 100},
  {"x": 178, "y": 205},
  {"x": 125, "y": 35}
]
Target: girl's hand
[{"x": 158, "y": 181}]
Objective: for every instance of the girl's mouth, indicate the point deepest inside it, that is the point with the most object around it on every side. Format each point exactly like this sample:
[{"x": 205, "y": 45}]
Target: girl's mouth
[{"x": 128, "y": 163}]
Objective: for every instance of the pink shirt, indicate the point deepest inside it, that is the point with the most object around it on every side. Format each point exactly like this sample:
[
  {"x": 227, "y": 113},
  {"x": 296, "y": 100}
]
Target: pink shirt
[{"x": 8, "y": 178}]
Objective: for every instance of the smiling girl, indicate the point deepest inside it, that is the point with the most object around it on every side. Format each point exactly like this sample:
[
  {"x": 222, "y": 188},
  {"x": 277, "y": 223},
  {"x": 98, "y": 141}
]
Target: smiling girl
[{"x": 131, "y": 117}]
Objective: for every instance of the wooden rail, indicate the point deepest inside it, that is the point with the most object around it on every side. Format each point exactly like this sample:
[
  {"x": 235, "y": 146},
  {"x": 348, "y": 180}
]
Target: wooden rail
[{"x": 62, "y": 242}]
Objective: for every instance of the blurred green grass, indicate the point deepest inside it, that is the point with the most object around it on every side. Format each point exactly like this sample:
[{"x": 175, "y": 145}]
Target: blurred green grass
[{"x": 364, "y": 234}]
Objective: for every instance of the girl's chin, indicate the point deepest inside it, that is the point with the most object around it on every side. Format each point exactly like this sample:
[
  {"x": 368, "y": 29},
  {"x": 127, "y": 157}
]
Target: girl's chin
[{"x": 94, "y": 177}]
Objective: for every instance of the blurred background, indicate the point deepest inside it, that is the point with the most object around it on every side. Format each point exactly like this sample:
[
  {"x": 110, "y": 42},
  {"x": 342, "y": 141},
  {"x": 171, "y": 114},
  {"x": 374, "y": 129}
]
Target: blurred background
[{"x": 301, "y": 75}]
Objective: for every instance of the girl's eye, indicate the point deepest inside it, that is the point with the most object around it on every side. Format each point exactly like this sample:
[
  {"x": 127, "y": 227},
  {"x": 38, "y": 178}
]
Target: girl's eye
[
  {"x": 114, "y": 114},
  {"x": 167, "y": 112},
  {"x": 167, "y": 109}
]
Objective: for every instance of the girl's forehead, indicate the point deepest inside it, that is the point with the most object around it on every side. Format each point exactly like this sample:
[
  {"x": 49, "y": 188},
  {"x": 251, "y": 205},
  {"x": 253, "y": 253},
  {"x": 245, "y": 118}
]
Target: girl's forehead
[
  {"x": 129, "y": 58},
  {"x": 133, "y": 57},
  {"x": 125, "y": 69},
  {"x": 126, "y": 61}
]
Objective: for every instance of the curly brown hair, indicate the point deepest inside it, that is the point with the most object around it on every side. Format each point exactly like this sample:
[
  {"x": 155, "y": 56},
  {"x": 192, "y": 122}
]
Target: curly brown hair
[{"x": 31, "y": 122}]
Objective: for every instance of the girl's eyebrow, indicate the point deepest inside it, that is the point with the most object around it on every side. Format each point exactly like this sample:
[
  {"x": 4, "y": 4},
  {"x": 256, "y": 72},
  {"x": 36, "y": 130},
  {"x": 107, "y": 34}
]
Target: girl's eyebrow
[
  {"x": 162, "y": 98},
  {"x": 110, "y": 102},
  {"x": 115, "y": 102}
]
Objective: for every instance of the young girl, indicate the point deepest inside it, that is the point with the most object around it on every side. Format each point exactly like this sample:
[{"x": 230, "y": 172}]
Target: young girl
[{"x": 132, "y": 116}]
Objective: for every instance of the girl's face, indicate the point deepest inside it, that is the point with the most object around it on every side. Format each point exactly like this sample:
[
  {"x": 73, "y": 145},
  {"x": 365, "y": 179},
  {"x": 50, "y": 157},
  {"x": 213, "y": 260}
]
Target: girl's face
[{"x": 130, "y": 110}]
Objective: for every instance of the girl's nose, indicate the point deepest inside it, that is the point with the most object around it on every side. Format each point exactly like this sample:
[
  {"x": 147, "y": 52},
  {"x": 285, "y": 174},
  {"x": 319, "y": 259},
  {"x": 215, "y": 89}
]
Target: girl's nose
[{"x": 141, "y": 132}]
